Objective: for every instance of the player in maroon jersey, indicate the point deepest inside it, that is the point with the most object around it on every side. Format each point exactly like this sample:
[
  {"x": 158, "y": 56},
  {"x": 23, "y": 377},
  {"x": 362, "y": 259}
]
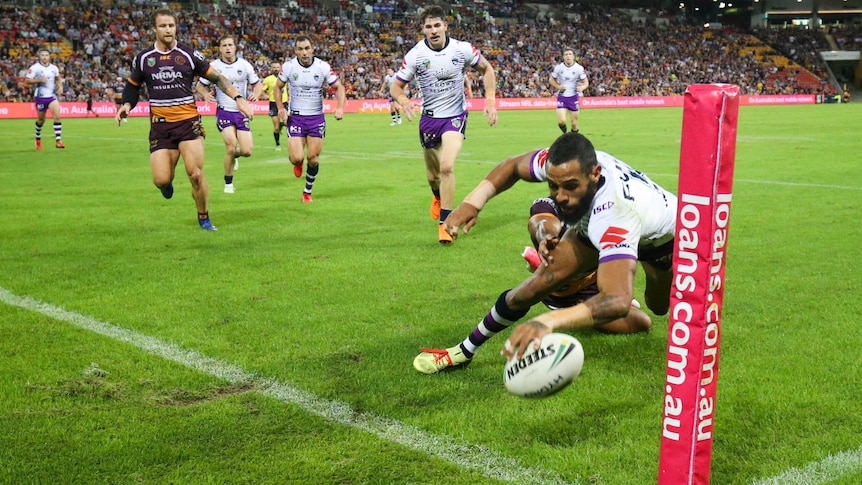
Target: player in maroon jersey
[{"x": 168, "y": 70}]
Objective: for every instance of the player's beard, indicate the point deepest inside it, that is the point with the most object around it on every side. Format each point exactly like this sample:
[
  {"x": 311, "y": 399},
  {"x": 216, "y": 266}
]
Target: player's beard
[{"x": 575, "y": 213}]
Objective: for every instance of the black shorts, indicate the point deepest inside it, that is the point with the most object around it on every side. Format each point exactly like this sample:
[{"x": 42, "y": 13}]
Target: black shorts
[
  {"x": 273, "y": 109},
  {"x": 660, "y": 257},
  {"x": 164, "y": 135}
]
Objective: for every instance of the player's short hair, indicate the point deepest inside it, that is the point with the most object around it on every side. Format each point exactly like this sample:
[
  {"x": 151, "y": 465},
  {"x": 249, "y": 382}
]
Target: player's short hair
[
  {"x": 225, "y": 37},
  {"x": 432, "y": 12},
  {"x": 303, "y": 38},
  {"x": 573, "y": 146},
  {"x": 166, "y": 12},
  {"x": 42, "y": 49},
  {"x": 568, "y": 49}
]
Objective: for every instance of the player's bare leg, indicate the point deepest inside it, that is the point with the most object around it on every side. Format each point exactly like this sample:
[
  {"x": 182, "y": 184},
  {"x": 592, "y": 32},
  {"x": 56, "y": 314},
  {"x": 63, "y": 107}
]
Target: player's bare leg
[{"x": 296, "y": 152}]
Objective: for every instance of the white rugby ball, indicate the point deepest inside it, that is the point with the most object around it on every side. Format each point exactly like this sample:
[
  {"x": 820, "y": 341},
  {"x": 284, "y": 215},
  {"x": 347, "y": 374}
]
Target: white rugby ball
[{"x": 543, "y": 372}]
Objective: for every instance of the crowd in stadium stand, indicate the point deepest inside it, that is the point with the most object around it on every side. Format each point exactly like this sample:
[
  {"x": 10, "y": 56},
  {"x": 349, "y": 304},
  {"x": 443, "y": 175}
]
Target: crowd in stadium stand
[{"x": 92, "y": 44}]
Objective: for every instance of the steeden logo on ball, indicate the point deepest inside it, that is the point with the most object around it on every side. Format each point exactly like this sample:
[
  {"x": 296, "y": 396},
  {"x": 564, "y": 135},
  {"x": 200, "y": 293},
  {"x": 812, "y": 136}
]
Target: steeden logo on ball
[{"x": 553, "y": 366}]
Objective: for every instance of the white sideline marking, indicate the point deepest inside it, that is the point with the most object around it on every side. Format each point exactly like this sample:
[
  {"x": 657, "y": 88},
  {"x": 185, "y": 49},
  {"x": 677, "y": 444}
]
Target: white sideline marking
[
  {"x": 774, "y": 182},
  {"x": 827, "y": 470},
  {"x": 471, "y": 457}
]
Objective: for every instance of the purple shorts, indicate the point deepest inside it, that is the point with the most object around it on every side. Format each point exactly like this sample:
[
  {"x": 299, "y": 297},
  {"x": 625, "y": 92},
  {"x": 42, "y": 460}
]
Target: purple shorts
[
  {"x": 431, "y": 129},
  {"x": 569, "y": 102},
  {"x": 225, "y": 119},
  {"x": 306, "y": 125},
  {"x": 42, "y": 103},
  {"x": 165, "y": 135}
]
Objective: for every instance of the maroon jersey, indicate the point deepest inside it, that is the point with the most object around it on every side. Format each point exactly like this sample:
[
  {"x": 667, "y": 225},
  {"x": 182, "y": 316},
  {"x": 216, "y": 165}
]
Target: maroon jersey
[{"x": 169, "y": 77}]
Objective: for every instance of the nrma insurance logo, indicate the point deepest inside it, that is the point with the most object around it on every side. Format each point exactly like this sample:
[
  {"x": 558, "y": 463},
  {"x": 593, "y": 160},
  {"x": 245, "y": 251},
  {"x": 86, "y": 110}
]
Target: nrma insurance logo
[{"x": 167, "y": 75}]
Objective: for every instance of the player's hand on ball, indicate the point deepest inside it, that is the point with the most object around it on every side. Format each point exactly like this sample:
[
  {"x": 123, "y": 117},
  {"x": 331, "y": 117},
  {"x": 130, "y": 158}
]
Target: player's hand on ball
[{"x": 525, "y": 338}]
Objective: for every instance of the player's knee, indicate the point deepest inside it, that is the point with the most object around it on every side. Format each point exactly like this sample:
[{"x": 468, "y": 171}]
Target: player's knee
[
  {"x": 245, "y": 152},
  {"x": 639, "y": 321},
  {"x": 196, "y": 177},
  {"x": 659, "y": 305}
]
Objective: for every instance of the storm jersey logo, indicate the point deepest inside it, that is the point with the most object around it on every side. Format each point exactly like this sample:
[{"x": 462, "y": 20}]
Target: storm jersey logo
[
  {"x": 541, "y": 158},
  {"x": 613, "y": 236}
]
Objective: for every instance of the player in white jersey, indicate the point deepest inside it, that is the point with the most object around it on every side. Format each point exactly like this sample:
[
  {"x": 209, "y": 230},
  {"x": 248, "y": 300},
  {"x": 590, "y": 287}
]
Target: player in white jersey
[
  {"x": 570, "y": 79},
  {"x": 307, "y": 78},
  {"x": 386, "y": 90},
  {"x": 546, "y": 217},
  {"x": 233, "y": 125},
  {"x": 617, "y": 217},
  {"x": 439, "y": 64},
  {"x": 49, "y": 85}
]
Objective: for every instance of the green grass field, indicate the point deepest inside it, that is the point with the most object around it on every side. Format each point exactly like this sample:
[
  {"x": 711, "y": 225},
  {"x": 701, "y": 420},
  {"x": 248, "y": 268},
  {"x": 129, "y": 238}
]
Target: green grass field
[{"x": 136, "y": 348}]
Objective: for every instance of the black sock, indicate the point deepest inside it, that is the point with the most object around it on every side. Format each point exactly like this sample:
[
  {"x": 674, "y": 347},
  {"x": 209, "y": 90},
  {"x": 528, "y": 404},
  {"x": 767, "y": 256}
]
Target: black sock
[
  {"x": 444, "y": 213},
  {"x": 562, "y": 127}
]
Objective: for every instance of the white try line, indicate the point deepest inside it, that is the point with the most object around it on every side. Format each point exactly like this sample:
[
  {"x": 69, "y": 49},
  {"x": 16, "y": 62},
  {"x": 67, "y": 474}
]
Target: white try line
[
  {"x": 828, "y": 470},
  {"x": 468, "y": 456}
]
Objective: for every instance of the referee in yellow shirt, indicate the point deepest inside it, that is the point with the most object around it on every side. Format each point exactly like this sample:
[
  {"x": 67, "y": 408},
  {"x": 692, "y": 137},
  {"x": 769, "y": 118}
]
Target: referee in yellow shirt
[{"x": 269, "y": 87}]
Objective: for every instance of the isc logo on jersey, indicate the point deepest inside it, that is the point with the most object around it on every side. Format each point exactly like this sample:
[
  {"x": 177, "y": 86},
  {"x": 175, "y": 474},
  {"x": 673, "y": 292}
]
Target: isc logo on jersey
[{"x": 556, "y": 363}]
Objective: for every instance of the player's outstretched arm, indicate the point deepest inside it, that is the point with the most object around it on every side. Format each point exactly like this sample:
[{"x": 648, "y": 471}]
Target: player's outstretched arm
[
  {"x": 499, "y": 179},
  {"x": 489, "y": 82},
  {"x": 397, "y": 92},
  {"x": 279, "y": 101},
  {"x": 341, "y": 97},
  {"x": 131, "y": 94}
]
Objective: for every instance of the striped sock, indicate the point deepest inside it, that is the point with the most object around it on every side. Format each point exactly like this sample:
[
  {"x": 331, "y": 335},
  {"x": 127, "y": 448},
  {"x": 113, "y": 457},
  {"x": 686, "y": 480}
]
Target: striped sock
[
  {"x": 495, "y": 321},
  {"x": 310, "y": 177}
]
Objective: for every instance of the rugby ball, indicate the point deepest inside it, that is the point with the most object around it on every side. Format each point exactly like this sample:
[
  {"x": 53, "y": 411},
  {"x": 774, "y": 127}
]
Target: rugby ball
[{"x": 542, "y": 372}]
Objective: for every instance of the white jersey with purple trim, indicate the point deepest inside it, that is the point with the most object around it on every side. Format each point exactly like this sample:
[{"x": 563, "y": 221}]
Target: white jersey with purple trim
[
  {"x": 440, "y": 75},
  {"x": 50, "y": 73},
  {"x": 568, "y": 77},
  {"x": 240, "y": 73},
  {"x": 629, "y": 210},
  {"x": 306, "y": 84}
]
